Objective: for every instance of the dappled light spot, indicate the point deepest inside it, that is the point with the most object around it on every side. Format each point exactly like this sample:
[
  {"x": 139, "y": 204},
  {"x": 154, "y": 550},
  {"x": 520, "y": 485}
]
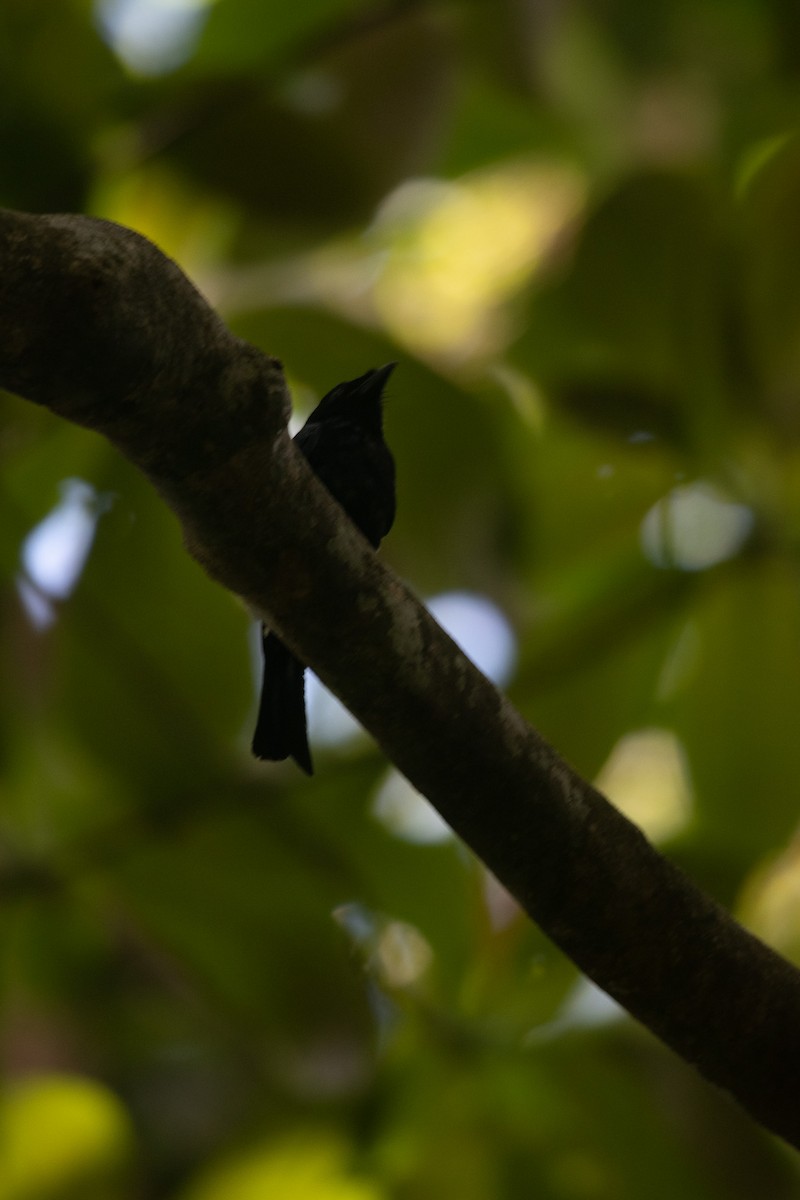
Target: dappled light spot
[
  {"x": 502, "y": 909},
  {"x": 480, "y": 629},
  {"x": 402, "y": 955},
  {"x": 358, "y": 922},
  {"x": 646, "y": 777},
  {"x": 55, "y": 551},
  {"x": 694, "y": 527},
  {"x": 311, "y": 1165},
  {"x": 39, "y": 608},
  {"x": 396, "y": 952},
  {"x": 329, "y": 722},
  {"x": 408, "y": 815},
  {"x": 151, "y": 37},
  {"x": 455, "y": 251},
  {"x": 770, "y": 903},
  {"x": 62, "y": 1135},
  {"x": 586, "y": 1007}
]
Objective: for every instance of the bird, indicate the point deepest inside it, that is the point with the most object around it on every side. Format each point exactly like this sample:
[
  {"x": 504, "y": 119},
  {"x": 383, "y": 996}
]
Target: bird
[{"x": 343, "y": 443}]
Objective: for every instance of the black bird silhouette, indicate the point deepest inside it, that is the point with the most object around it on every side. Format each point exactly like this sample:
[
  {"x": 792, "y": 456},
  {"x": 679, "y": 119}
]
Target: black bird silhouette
[{"x": 343, "y": 443}]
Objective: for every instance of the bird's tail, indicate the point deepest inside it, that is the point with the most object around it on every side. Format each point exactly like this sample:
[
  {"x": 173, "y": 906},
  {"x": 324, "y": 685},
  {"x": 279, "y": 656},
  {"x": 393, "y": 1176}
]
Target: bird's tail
[{"x": 281, "y": 724}]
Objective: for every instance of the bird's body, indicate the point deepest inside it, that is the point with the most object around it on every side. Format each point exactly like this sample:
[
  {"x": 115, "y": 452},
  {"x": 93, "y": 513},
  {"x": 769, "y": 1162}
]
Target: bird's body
[{"x": 343, "y": 443}]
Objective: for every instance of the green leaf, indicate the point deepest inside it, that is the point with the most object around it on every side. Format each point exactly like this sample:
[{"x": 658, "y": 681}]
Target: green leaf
[
  {"x": 736, "y": 708},
  {"x": 630, "y": 337},
  {"x": 239, "y": 34},
  {"x": 770, "y": 260}
]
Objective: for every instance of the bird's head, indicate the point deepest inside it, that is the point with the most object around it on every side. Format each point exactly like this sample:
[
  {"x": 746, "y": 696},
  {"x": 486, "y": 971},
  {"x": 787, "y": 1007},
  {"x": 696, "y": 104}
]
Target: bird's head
[{"x": 358, "y": 400}]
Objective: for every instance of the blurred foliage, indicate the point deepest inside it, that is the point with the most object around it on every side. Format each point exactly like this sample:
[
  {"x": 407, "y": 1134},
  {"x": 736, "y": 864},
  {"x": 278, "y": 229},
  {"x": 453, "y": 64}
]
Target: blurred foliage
[{"x": 575, "y": 226}]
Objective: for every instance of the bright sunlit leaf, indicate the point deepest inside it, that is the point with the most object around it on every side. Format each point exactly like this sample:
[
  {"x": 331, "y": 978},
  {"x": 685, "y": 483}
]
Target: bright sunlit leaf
[
  {"x": 455, "y": 251},
  {"x": 313, "y": 1166},
  {"x": 647, "y": 778},
  {"x": 59, "y": 1130}
]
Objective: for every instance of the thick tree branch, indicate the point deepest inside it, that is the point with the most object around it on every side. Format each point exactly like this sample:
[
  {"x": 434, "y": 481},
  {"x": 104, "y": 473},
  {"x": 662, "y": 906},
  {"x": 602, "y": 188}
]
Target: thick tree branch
[{"x": 106, "y": 331}]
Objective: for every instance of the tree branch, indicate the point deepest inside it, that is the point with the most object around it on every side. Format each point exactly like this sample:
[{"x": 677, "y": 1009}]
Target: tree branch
[{"x": 99, "y": 326}]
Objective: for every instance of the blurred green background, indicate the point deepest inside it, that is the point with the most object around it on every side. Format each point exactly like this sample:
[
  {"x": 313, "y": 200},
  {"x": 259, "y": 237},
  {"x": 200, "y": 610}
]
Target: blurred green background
[{"x": 576, "y": 225}]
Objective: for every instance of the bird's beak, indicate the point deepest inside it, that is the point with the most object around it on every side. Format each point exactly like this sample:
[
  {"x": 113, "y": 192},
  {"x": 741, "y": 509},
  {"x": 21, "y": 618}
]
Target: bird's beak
[{"x": 380, "y": 377}]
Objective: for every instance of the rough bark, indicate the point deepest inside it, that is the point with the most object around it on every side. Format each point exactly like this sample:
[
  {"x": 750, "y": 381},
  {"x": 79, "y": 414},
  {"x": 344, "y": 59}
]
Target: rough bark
[{"x": 99, "y": 326}]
